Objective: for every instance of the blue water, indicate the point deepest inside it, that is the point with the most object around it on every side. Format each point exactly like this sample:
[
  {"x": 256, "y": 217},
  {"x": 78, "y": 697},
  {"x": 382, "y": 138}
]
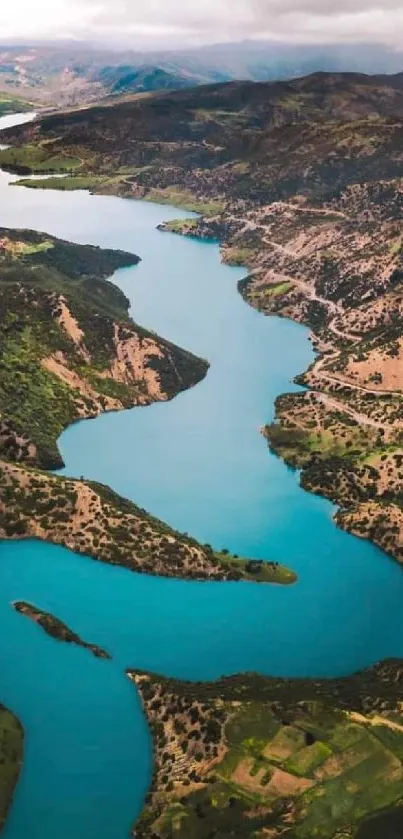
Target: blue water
[{"x": 200, "y": 463}]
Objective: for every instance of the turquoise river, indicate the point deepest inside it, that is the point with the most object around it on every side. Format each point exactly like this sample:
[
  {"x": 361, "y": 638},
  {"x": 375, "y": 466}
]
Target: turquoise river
[{"x": 200, "y": 463}]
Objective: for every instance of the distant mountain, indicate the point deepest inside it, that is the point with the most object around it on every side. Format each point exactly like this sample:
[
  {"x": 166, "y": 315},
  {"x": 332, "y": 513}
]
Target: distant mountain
[
  {"x": 265, "y": 60},
  {"x": 124, "y": 79},
  {"x": 69, "y": 75},
  {"x": 73, "y": 73}
]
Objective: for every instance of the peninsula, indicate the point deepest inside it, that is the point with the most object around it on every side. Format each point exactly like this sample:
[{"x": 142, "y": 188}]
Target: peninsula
[
  {"x": 70, "y": 350},
  {"x": 302, "y": 182}
]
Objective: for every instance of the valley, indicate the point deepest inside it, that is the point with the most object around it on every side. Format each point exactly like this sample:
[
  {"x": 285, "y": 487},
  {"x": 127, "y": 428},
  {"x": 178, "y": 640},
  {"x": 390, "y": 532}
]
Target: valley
[
  {"x": 282, "y": 757},
  {"x": 323, "y": 247}
]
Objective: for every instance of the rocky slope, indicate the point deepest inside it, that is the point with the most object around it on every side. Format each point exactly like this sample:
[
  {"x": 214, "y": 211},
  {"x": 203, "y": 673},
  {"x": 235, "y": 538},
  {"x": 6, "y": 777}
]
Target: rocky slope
[{"x": 302, "y": 181}]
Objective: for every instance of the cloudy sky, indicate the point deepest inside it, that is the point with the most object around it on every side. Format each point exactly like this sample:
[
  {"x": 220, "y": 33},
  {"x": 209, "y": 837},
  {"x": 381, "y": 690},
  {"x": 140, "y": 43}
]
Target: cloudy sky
[{"x": 181, "y": 22}]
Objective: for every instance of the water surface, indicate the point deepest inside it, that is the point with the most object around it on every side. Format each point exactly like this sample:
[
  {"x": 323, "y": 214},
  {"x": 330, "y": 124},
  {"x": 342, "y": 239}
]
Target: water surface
[{"x": 200, "y": 463}]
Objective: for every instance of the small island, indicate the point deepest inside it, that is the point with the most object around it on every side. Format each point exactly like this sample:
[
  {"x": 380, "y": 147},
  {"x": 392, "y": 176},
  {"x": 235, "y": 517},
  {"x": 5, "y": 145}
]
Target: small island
[{"x": 56, "y": 628}]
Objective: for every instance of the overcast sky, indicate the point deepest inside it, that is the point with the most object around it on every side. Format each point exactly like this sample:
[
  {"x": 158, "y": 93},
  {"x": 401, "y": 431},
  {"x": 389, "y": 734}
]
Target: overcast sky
[{"x": 181, "y": 22}]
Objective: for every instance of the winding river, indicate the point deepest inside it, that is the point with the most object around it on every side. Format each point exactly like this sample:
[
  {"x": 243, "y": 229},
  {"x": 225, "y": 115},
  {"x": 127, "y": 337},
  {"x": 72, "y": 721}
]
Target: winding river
[{"x": 200, "y": 463}]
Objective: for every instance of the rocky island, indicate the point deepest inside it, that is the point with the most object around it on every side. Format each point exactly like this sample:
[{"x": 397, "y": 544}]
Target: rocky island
[
  {"x": 56, "y": 628},
  {"x": 302, "y": 182}
]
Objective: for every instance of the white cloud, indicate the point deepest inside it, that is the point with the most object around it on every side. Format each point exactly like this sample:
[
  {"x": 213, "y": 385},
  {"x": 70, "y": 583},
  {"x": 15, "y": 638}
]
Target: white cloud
[
  {"x": 40, "y": 18},
  {"x": 199, "y": 21}
]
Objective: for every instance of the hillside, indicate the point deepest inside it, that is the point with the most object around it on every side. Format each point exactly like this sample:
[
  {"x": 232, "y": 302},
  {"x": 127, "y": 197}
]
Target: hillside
[
  {"x": 249, "y": 757},
  {"x": 69, "y": 349},
  {"x": 127, "y": 79},
  {"x": 303, "y": 182}
]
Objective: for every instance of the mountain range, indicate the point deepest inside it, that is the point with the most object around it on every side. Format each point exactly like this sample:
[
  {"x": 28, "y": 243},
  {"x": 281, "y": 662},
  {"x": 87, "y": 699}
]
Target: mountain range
[{"x": 74, "y": 73}]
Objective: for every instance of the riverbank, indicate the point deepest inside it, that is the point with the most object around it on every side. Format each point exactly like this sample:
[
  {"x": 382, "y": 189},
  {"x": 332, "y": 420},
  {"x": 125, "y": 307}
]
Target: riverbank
[
  {"x": 345, "y": 433},
  {"x": 264, "y": 624},
  {"x": 94, "y": 521},
  {"x": 291, "y": 230}
]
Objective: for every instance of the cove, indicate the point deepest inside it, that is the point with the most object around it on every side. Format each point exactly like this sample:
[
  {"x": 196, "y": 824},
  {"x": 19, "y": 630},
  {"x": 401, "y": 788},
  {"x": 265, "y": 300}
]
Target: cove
[{"x": 200, "y": 463}]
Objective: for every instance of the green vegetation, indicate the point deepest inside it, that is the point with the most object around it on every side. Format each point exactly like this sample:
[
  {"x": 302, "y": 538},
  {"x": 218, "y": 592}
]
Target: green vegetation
[
  {"x": 257, "y": 570},
  {"x": 63, "y": 184},
  {"x": 31, "y": 158},
  {"x": 11, "y": 754},
  {"x": 185, "y": 225},
  {"x": 277, "y": 289},
  {"x": 293, "y": 760},
  {"x": 184, "y": 199},
  {"x": 13, "y": 104},
  {"x": 38, "y": 276}
]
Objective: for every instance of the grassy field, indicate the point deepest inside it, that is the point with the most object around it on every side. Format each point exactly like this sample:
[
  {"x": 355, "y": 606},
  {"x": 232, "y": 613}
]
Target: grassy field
[
  {"x": 62, "y": 184},
  {"x": 32, "y": 158},
  {"x": 186, "y": 200},
  {"x": 259, "y": 571},
  {"x": 13, "y": 104}
]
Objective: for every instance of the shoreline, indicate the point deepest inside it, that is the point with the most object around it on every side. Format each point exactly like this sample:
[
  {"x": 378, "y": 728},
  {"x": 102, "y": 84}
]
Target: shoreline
[
  {"x": 259, "y": 766},
  {"x": 198, "y": 229},
  {"x": 340, "y": 517}
]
